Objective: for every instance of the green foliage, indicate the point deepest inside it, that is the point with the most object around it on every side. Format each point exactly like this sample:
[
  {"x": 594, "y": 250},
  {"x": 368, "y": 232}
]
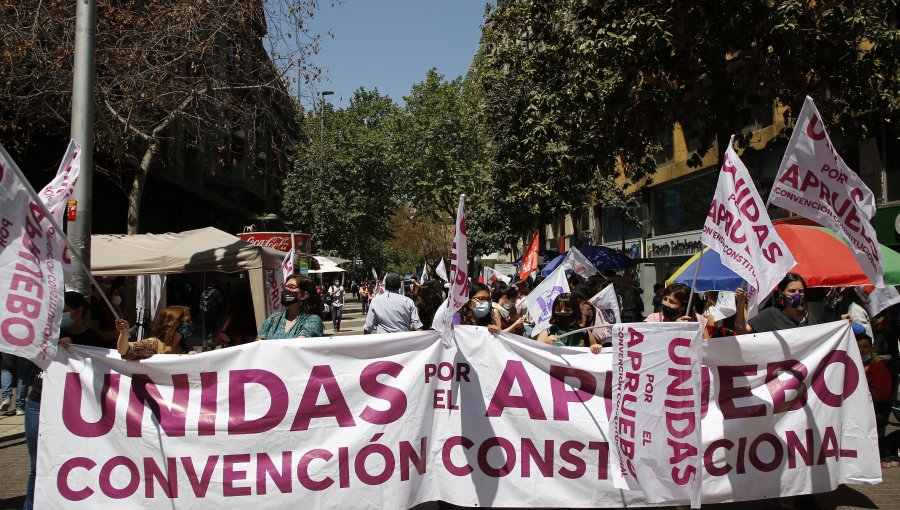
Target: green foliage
[
  {"x": 576, "y": 94},
  {"x": 342, "y": 188}
]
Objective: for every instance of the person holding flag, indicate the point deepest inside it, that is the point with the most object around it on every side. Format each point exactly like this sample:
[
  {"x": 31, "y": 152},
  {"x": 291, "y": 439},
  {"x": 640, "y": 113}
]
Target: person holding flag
[{"x": 790, "y": 310}]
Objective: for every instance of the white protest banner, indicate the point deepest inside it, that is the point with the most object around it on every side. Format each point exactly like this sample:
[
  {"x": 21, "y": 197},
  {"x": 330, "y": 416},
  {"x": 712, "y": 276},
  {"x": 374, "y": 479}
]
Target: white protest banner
[
  {"x": 397, "y": 420},
  {"x": 739, "y": 229},
  {"x": 540, "y": 300},
  {"x": 441, "y": 271},
  {"x": 459, "y": 261},
  {"x": 606, "y": 306},
  {"x": 31, "y": 273},
  {"x": 814, "y": 182},
  {"x": 788, "y": 413},
  {"x": 491, "y": 275},
  {"x": 655, "y": 425},
  {"x": 578, "y": 263}
]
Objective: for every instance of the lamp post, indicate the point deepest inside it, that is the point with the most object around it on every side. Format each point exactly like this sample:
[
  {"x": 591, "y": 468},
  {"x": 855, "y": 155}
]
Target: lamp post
[
  {"x": 322, "y": 132},
  {"x": 322, "y": 115}
]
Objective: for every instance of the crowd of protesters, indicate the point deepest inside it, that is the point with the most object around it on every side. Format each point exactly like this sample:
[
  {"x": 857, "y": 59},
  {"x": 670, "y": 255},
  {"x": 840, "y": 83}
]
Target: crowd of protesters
[{"x": 394, "y": 305}]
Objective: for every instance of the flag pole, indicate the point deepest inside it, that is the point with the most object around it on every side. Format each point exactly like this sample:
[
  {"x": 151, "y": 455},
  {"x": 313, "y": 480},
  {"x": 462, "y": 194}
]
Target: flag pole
[
  {"x": 72, "y": 251},
  {"x": 687, "y": 310},
  {"x": 596, "y": 326}
]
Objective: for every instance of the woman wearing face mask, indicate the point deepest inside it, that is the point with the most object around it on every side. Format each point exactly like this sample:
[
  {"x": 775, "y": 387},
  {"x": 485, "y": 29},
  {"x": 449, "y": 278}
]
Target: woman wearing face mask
[
  {"x": 674, "y": 305},
  {"x": 480, "y": 311},
  {"x": 168, "y": 335},
  {"x": 300, "y": 317},
  {"x": 566, "y": 317},
  {"x": 789, "y": 311}
]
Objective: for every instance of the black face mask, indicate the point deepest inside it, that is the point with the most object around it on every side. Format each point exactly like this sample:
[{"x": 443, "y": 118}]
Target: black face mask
[
  {"x": 288, "y": 298},
  {"x": 671, "y": 314},
  {"x": 563, "y": 318}
]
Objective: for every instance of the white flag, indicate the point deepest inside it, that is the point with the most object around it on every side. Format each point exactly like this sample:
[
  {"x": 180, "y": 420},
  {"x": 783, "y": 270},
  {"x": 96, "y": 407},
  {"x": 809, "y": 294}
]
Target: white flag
[
  {"x": 287, "y": 266},
  {"x": 274, "y": 284},
  {"x": 56, "y": 193},
  {"x": 441, "y": 271},
  {"x": 425, "y": 276},
  {"x": 739, "y": 229},
  {"x": 490, "y": 274},
  {"x": 879, "y": 298},
  {"x": 814, "y": 182},
  {"x": 725, "y": 306},
  {"x": 607, "y": 305},
  {"x": 150, "y": 299},
  {"x": 540, "y": 300},
  {"x": 459, "y": 261},
  {"x": 578, "y": 263},
  {"x": 31, "y": 276}
]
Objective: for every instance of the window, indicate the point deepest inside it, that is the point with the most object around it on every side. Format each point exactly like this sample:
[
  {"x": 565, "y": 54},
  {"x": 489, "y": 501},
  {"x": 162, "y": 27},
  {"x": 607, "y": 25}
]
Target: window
[
  {"x": 667, "y": 140},
  {"x": 682, "y": 206}
]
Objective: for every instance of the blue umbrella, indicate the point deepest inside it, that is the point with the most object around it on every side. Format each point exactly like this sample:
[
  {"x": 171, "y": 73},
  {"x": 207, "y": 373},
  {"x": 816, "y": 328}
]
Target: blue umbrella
[
  {"x": 713, "y": 275},
  {"x": 600, "y": 256}
]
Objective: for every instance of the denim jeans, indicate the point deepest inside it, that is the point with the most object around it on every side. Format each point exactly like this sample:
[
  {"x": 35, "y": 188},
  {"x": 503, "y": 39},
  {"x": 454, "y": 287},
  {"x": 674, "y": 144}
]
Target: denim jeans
[
  {"x": 6, "y": 381},
  {"x": 32, "y": 415}
]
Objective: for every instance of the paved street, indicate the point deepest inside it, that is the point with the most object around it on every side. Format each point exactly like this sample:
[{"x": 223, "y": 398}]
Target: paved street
[{"x": 14, "y": 458}]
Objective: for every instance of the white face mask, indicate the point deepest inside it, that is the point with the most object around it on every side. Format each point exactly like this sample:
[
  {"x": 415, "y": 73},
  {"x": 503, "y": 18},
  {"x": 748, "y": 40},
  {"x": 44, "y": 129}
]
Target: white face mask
[
  {"x": 482, "y": 309},
  {"x": 117, "y": 301}
]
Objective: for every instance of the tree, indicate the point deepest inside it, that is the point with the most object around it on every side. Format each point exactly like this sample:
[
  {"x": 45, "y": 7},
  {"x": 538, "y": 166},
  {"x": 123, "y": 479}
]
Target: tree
[
  {"x": 441, "y": 152},
  {"x": 205, "y": 67},
  {"x": 341, "y": 187},
  {"x": 576, "y": 94}
]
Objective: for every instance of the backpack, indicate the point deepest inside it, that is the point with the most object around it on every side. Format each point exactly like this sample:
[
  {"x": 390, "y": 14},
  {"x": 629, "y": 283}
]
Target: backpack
[{"x": 210, "y": 300}]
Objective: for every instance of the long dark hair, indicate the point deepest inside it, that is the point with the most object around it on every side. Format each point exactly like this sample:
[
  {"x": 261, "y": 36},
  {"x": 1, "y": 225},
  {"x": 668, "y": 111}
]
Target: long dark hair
[
  {"x": 571, "y": 301},
  {"x": 783, "y": 284},
  {"x": 313, "y": 304},
  {"x": 682, "y": 293}
]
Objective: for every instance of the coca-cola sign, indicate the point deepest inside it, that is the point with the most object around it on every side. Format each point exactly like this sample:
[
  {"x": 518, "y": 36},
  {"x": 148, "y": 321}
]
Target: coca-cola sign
[{"x": 278, "y": 240}]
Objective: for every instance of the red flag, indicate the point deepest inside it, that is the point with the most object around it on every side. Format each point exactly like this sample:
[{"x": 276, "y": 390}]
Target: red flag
[{"x": 530, "y": 260}]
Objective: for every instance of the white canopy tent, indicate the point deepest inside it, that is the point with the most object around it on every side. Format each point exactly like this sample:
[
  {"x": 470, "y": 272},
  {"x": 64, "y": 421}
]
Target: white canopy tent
[
  {"x": 327, "y": 265},
  {"x": 201, "y": 250}
]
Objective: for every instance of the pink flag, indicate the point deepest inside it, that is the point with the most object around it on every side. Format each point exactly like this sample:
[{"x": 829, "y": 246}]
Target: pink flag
[
  {"x": 739, "y": 229},
  {"x": 31, "y": 277},
  {"x": 814, "y": 182}
]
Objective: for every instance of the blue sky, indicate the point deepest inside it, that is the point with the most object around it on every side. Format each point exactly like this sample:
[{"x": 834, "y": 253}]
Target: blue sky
[{"x": 390, "y": 44}]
